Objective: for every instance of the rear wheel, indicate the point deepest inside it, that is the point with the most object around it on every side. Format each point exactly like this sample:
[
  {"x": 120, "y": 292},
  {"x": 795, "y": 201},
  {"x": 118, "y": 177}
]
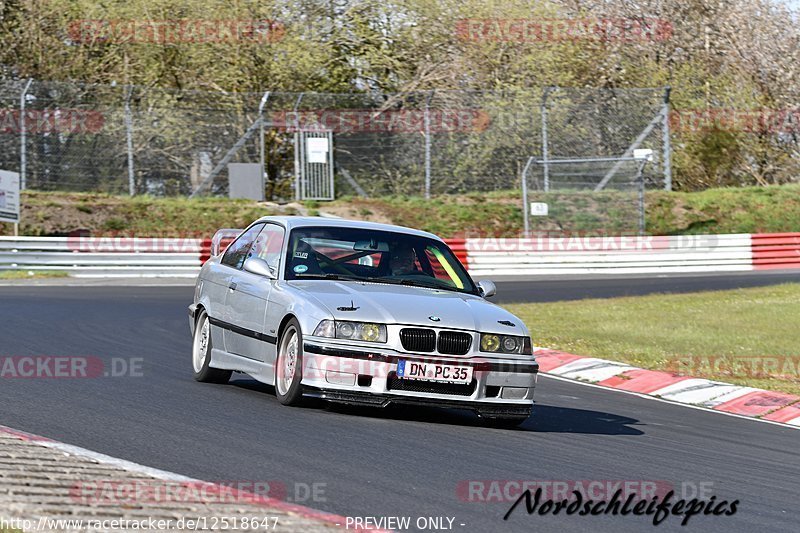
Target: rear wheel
[
  {"x": 289, "y": 365},
  {"x": 201, "y": 354}
]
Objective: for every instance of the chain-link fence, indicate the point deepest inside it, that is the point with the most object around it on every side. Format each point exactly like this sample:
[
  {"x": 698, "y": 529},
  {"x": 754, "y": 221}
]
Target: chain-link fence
[
  {"x": 72, "y": 136},
  {"x": 120, "y": 139},
  {"x": 140, "y": 140},
  {"x": 587, "y": 196}
]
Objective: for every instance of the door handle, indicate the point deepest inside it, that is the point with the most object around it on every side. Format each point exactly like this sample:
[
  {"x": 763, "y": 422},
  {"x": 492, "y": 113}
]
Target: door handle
[{"x": 232, "y": 285}]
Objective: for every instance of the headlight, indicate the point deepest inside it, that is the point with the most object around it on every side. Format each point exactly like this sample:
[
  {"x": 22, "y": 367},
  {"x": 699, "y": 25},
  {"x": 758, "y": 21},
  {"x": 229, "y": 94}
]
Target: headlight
[
  {"x": 490, "y": 343},
  {"x": 493, "y": 343},
  {"x": 510, "y": 344},
  {"x": 357, "y": 331}
]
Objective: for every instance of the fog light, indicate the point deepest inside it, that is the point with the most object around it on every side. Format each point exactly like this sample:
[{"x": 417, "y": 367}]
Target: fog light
[
  {"x": 515, "y": 393},
  {"x": 340, "y": 378}
]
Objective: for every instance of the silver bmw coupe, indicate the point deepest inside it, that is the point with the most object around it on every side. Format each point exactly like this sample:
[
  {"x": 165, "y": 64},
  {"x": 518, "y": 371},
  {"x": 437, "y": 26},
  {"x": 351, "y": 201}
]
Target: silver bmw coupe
[{"x": 358, "y": 313}]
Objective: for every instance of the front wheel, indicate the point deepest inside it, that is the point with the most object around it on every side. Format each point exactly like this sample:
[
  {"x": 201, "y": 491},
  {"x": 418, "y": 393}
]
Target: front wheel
[
  {"x": 289, "y": 365},
  {"x": 201, "y": 354}
]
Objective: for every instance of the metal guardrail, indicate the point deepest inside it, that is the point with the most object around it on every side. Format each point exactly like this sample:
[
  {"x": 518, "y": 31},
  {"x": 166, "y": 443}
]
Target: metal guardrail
[
  {"x": 117, "y": 257},
  {"x": 776, "y": 250},
  {"x": 103, "y": 257},
  {"x": 609, "y": 255}
]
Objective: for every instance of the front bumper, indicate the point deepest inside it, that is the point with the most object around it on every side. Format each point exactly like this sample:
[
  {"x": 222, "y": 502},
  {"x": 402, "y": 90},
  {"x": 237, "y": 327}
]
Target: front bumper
[
  {"x": 367, "y": 376},
  {"x": 482, "y": 409}
]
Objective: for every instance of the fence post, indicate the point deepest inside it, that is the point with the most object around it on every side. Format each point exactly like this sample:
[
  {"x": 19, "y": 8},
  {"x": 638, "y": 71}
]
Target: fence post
[
  {"x": 525, "y": 206},
  {"x": 667, "y": 156},
  {"x": 262, "y": 157},
  {"x": 428, "y": 145},
  {"x": 23, "y": 153},
  {"x": 129, "y": 139},
  {"x": 297, "y": 141},
  {"x": 640, "y": 183},
  {"x": 545, "y": 148}
]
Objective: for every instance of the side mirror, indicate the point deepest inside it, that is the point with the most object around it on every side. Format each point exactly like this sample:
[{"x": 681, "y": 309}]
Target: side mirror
[
  {"x": 256, "y": 265},
  {"x": 487, "y": 288}
]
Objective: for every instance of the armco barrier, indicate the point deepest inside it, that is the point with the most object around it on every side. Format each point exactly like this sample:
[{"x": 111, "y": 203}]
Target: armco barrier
[
  {"x": 776, "y": 250},
  {"x": 103, "y": 256},
  {"x": 609, "y": 255},
  {"x": 123, "y": 256}
]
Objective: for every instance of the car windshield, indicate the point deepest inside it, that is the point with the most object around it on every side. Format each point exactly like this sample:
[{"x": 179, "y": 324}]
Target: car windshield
[{"x": 355, "y": 254}]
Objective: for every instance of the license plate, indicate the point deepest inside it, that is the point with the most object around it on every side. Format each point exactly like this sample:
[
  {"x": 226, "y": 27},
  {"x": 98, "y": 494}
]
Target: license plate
[{"x": 434, "y": 372}]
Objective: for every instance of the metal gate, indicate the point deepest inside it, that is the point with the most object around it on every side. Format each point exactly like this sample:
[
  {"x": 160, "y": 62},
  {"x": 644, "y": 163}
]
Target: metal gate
[{"x": 313, "y": 164}]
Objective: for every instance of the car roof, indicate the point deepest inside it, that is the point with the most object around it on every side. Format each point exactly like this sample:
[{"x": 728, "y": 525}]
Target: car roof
[{"x": 292, "y": 222}]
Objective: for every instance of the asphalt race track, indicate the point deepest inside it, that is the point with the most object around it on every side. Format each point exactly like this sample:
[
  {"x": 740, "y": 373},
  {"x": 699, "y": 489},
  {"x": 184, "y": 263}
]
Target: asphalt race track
[
  {"x": 576, "y": 288},
  {"x": 397, "y": 462}
]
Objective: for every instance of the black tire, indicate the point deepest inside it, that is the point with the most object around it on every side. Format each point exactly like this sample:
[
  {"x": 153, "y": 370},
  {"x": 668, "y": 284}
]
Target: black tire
[
  {"x": 201, "y": 354},
  {"x": 288, "y": 389}
]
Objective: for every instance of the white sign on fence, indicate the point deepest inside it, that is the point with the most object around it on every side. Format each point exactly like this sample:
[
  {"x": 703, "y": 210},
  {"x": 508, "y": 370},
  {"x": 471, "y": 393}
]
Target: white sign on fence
[
  {"x": 9, "y": 196},
  {"x": 317, "y": 149},
  {"x": 539, "y": 209}
]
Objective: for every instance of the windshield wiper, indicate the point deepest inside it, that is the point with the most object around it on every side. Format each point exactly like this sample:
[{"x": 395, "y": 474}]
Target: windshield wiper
[
  {"x": 413, "y": 283},
  {"x": 344, "y": 277},
  {"x": 373, "y": 279}
]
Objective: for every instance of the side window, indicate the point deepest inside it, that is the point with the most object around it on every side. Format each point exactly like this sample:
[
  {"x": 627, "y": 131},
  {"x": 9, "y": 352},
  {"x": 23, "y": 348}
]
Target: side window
[
  {"x": 268, "y": 246},
  {"x": 237, "y": 251}
]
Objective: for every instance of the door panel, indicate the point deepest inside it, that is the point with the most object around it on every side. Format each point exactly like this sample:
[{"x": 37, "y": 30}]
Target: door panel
[
  {"x": 228, "y": 274},
  {"x": 247, "y": 302},
  {"x": 247, "y": 308},
  {"x": 215, "y": 286}
]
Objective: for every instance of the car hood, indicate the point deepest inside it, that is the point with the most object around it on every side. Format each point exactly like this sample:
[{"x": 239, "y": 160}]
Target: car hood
[{"x": 401, "y": 304}]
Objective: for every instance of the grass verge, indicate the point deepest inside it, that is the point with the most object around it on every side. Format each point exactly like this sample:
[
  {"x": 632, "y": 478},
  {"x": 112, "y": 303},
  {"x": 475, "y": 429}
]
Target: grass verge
[
  {"x": 32, "y": 274},
  {"x": 59, "y": 213},
  {"x": 744, "y": 336},
  {"x": 495, "y": 214}
]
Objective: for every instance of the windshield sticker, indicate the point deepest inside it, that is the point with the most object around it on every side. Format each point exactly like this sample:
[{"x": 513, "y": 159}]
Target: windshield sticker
[
  {"x": 301, "y": 255},
  {"x": 299, "y": 269}
]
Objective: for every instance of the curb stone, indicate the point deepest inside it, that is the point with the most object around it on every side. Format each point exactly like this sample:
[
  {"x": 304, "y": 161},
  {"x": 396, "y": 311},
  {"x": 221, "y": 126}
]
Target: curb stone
[{"x": 714, "y": 395}]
